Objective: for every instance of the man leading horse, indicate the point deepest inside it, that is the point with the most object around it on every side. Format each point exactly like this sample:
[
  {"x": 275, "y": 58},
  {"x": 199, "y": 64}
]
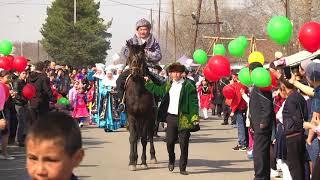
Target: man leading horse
[{"x": 153, "y": 53}]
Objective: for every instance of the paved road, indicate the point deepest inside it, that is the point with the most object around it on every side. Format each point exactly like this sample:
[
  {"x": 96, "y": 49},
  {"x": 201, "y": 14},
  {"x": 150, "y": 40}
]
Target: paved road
[{"x": 210, "y": 157}]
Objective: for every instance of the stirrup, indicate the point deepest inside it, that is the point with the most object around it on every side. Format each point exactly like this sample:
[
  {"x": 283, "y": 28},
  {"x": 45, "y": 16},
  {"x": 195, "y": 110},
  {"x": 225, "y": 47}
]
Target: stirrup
[{"x": 121, "y": 107}]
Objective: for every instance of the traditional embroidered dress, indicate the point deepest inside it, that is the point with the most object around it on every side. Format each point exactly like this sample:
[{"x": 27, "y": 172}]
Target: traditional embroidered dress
[
  {"x": 205, "y": 94},
  {"x": 110, "y": 115},
  {"x": 80, "y": 106}
]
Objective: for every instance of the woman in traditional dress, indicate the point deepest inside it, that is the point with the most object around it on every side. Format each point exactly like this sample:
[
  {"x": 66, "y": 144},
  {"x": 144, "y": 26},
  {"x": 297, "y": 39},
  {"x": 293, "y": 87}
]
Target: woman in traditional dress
[
  {"x": 205, "y": 94},
  {"x": 98, "y": 98},
  {"x": 109, "y": 112}
]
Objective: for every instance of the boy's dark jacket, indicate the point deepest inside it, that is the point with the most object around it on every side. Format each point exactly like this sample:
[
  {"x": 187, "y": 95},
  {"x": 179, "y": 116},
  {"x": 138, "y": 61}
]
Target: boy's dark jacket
[{"x": 188, "y": 103}]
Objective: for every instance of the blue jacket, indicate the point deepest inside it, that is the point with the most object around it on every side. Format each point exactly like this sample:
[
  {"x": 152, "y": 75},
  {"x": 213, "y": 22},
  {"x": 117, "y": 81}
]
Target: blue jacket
[{"x": 152, "y": 49}]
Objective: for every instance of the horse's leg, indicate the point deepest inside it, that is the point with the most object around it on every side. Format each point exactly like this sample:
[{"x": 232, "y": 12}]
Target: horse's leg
[
  {"x": 152, "y": 150},
  {"x": 133, "y": 139},
  {"x": 144, "y": 149}
]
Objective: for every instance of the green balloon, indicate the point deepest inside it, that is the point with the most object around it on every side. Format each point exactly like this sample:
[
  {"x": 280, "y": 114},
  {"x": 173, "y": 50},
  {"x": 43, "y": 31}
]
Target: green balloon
[
  {"x": 200, "y": 56},
  {"x": 219, "y": 49},
  {"x": 261, "y": 77},
  {"x": 244, "y": 76},
  {"x": 63, "y": 101},
  {"x": 5, "y": 47},
  {"x": 236, "y": 49},
  {"x": 280, "y": 29},
  {"x": 243, "y": 41}
]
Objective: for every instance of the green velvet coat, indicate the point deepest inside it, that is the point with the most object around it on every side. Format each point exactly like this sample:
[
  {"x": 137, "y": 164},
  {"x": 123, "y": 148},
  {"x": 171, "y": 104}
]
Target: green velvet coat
[{"x": 188, "y": 103}]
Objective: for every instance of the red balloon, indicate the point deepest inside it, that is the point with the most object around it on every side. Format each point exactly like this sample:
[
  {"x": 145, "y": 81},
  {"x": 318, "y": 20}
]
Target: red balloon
[
  {"x": 6, "y": 63},
  {"x": 309, "y": 36},
  {"x": 19, "y": 63},
  {"x": 220, "y": 66},
  {"x": 6, "y": 90},
  {"x": 29, "y": 91},
  {"x": 228, "y": 91},
  {"x": 208, "y": 74}
]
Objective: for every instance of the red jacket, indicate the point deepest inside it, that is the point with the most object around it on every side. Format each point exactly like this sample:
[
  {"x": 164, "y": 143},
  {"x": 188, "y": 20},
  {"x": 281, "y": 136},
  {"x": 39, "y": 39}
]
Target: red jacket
[{"x": 237, "y": 102}]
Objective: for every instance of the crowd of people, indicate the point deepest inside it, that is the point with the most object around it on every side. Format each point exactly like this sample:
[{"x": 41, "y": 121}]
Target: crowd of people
[{"x": 277, "y": 127}]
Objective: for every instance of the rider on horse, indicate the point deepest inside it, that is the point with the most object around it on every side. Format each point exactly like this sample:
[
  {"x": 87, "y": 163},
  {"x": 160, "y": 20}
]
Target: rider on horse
[{"x": 153, "y": 54}]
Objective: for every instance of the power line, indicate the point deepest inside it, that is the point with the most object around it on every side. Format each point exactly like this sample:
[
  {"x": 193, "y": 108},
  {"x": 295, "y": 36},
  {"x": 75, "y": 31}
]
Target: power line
[
  {"x": 46, "y": 4},
  {"x": 138, "y": 7}
]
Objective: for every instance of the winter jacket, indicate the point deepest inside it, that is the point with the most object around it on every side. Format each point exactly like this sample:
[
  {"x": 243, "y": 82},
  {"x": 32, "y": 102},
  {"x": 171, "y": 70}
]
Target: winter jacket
[
  {"x": 237, "y": 103},
  {"x": 153, "y": 51},
  {"x": 295, "y": 112},
  {"x": 43, "y": 94},
  {"x": 188, "y": 103},
  {"x": 18, "y": 86}
]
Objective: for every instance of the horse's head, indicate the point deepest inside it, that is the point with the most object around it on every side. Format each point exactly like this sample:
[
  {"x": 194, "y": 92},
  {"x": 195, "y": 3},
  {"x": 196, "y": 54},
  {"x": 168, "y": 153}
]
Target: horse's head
[{"x": 137, "y": 58}]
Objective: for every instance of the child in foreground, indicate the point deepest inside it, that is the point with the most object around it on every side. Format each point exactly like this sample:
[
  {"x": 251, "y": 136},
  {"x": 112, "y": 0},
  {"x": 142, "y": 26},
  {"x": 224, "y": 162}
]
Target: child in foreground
[{"x": 54, "y": 147}]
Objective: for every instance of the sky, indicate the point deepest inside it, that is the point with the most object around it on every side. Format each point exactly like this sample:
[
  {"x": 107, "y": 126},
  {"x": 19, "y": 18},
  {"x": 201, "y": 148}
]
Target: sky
[{"x": 22, "y": 19}]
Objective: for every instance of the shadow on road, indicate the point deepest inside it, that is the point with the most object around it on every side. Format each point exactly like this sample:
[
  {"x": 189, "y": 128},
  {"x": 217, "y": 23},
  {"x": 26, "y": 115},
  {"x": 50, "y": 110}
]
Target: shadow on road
[
  {"x": 219, "y": 166},
  {"x": 210, "y": 140}
]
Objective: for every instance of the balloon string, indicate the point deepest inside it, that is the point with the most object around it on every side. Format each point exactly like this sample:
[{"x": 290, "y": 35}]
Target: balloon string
[{"x": 259, "y": 95}]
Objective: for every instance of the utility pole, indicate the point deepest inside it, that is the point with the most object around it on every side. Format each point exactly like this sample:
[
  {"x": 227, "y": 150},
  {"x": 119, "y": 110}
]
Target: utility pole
[
  {"x": 167, "y": 30},
  {"x": 74, "y": 12},
  {"x": 151, "y": 19},
  {"x": 38, "y": 50},
  {"x": 21, "y": 41},
  {"x": 197, "y": 18},
  {"x": 159, "y": 20},
  {"x": 174, "y": 32},
  {"x": 217, "y": 17}
]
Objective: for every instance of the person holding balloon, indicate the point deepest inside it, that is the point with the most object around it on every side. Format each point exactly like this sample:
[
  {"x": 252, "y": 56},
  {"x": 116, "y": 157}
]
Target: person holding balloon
[
  {"x": 39, "y": 104},
  {"x": 262, "y": 117},
  {"x": 21, "y": 103}
]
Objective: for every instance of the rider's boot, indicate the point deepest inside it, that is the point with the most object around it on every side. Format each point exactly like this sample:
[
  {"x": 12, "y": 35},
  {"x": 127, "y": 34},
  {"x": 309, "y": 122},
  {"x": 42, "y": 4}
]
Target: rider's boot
[{"x": 121, "y": 106}]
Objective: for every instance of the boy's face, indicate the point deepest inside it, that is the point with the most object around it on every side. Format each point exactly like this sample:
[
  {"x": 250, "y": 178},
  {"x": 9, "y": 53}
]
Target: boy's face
[
  {"x": 176, "y": 76},
  {"x": 47, "y": 159}
]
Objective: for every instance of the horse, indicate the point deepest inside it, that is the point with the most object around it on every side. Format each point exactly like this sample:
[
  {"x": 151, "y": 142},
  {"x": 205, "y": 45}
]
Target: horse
[{"x": 139, "y": 106}]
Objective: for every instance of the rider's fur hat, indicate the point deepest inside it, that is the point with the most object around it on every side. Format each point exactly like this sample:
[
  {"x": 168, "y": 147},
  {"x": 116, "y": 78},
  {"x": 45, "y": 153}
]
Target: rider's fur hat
[
  {"x": 143, "y": 23},
  {"x": 176, "y": 67}
]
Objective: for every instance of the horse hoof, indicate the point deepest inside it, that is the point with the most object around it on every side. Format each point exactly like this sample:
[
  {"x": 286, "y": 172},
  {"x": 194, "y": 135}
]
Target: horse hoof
[
  {"x": 132, "y": 168},
  {"x": 153, "y": 161},
  {"x": 144, "y": 166}
]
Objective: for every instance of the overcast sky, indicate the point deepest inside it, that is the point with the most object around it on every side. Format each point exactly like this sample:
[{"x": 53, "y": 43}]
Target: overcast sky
[{"x": 32, "y": 15}]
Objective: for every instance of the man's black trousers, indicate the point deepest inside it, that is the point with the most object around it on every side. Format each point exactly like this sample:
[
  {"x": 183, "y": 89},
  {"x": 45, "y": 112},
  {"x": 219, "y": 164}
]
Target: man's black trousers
[{"x": 172, "y": 136}]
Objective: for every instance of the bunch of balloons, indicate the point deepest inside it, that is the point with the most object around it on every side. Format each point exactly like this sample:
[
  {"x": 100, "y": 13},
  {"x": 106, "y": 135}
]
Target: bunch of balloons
[
  {"x": 29, "y": 91},
  {"x": 279, "y": 30},
  {"x": 309, "y": 36},
  {"x": 63, "y": 101},
  {"x": 217, "y": 67},
  {"x": 200, "y": 56},
  {"x": 238, "y": 46},
  {"x": 259, "y": 77},
  {"x": 8, "y": 62}
]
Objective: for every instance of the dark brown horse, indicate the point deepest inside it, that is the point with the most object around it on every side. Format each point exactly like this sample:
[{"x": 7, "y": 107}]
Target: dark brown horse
[{"x": 140, "y": 107}]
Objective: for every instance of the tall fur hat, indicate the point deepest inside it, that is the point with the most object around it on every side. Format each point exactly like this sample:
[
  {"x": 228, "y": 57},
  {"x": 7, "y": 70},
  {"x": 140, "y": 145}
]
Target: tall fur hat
[
  {"x": 176, "y": 67},
  {"x": 143, "y": 23}
]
